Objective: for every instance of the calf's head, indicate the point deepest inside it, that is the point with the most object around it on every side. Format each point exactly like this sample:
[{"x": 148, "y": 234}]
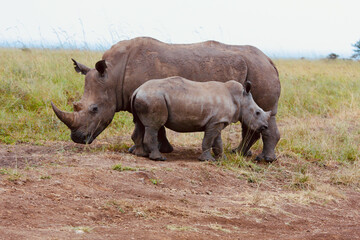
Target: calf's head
[
  {"x": 250, "y": 113},
  {"x": 96, "y": 109}
]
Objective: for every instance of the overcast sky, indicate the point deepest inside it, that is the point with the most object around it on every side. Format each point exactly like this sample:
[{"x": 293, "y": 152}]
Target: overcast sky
[{"x": 281, "y": 28}]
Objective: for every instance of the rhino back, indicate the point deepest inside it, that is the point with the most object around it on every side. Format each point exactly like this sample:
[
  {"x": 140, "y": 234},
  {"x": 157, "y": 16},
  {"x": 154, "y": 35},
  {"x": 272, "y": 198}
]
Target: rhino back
[{"x": 147, "y": 58}]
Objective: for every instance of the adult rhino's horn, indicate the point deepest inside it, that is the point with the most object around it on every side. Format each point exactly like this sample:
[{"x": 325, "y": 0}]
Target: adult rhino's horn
[{"x": 65, "y": 117}]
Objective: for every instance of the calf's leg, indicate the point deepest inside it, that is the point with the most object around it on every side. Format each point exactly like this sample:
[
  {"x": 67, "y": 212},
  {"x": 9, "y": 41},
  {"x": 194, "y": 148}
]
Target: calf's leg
[
  {"x": 151, "y": 144},
  {"x": 210, "y": 134},
  {"x": 138, "y": 138},
  {"x": 164, "y": 145}
]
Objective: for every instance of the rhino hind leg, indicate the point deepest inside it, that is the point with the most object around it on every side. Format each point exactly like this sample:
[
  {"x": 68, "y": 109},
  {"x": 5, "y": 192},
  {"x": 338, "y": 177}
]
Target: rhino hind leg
[
  {"x": 151, "y": 144},
  {"x": 164, "y": 145},
  {"x": 211, "y": 133},
  {"x": 137, "y": 137},
  {"x": 270, "y": 137},
  {"x": 249, "y": 137}
]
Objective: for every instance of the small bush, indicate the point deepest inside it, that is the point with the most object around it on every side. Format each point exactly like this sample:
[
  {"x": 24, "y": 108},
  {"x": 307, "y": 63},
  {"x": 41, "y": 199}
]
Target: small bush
[{"x": 332, "y": 56}]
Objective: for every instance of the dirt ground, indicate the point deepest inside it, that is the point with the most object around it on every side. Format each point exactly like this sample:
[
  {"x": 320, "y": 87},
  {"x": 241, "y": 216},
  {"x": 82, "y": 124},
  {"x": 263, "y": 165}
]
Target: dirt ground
[{"x": 61, "y": 190}]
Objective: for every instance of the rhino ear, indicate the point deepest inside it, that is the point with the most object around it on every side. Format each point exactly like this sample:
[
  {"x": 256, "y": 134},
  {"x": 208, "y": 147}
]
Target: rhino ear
[
  {"x": 247, "y": 86},
  {"x": 80, "y": 68},
  {"x": 101, "y": 67}
]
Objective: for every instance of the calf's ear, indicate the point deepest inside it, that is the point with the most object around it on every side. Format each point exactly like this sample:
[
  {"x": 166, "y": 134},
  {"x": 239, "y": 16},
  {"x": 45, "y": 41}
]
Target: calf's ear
[
  {"x": 268, "y": 115},
  {"x": 247, "y": 86},
  {"x": 101, "y": 67},
  {"x": 80, "y": 68}
]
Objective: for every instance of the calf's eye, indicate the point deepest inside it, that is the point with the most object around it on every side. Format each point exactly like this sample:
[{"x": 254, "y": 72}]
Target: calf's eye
[{"x": 94, "y": 108}]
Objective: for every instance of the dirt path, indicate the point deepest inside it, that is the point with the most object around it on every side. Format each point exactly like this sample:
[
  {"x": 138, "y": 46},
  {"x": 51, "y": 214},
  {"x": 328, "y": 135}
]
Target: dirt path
[{"x": 65, "y": 191}]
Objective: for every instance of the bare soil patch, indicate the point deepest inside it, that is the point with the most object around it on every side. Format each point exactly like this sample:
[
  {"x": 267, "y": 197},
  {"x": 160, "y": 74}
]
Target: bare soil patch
[{"x": 66, "y": 191}]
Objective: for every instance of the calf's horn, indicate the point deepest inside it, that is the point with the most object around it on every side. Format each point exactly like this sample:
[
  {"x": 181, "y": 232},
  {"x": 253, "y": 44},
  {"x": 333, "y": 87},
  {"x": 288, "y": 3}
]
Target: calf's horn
[{"x": 65, "y": 117}]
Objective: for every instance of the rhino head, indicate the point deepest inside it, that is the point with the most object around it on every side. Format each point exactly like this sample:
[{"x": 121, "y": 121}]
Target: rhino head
[
  {"x": 96, "y": 109},
  {"x": 250, "y": 113}
]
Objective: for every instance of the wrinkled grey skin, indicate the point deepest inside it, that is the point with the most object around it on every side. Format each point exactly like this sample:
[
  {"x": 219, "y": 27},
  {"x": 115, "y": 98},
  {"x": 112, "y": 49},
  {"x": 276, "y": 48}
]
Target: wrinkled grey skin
[
  {"x": 128, "y": 64},
  {"x": 187, "y": 106}
]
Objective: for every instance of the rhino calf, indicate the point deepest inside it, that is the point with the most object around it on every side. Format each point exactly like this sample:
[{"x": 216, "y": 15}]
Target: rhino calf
[{"x": 187, "y": 106}]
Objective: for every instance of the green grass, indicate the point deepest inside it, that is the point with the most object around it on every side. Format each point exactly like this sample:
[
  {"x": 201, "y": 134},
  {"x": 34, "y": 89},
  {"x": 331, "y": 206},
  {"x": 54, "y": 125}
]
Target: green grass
[
  {"x": 155, "y": 181},
  {"x": 318, "y": 88},
  {"x": 319, "y": 110},
  {"x": 30, "y": 80},
  {"x": 120, "y": 168},
  {"x": 318, "y": 116}
]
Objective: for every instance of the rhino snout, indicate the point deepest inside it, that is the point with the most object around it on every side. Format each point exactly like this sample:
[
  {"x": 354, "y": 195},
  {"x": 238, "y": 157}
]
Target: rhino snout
[
  {"x": 263, "y": 128},
  {"x": 79, "y": 137}
]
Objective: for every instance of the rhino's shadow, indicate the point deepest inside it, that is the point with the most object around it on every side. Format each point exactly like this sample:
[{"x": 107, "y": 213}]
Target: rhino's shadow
[{"x": 183, "y": 154}]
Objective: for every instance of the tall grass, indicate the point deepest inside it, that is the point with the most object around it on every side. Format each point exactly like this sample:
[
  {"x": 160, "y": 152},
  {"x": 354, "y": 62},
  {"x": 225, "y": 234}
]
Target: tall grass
[
  {"x": 29, "y": 81},
  {"x": 319, "y": 109},
  {"x": 318, "y": 88},
  {"x": 318, "y": 117}
]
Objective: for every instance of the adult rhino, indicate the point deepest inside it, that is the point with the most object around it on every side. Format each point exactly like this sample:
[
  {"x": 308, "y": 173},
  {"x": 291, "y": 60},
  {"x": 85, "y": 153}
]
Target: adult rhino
[{"x": 128, "y": 64}]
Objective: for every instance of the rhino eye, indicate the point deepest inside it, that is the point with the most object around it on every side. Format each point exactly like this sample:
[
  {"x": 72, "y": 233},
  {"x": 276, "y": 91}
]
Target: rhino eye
[
  {"x": 257, "y": 113},
  {"x": 94, "y": 108}
]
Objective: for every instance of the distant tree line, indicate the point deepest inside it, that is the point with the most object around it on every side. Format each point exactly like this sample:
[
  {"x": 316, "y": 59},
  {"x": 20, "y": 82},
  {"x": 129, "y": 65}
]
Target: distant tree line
[
  {"x": 356, "y": 55},
  {"x": 356, "y": 50}
]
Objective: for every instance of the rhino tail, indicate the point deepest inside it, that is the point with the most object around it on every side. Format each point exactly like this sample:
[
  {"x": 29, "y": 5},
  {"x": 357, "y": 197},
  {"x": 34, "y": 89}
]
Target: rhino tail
[{"x": 133, "y": 110}]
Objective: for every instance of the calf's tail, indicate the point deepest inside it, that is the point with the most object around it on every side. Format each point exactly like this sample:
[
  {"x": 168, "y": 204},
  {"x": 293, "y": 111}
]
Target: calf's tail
[{"x": 133, "y": 110}]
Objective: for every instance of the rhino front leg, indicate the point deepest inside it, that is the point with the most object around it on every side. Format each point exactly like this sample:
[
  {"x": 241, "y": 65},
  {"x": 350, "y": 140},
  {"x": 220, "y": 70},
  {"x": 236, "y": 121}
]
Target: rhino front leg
[
  {"x": 211, "y": 133},
  {"x": 217, "y": 146},
  {"x": 164, "y": 145},
  {"x": 138, "y": 138},
  {"x": 249, "y": 137},
  {"x": 270, "y": 137},
  {"x": 151, "y": 143}
]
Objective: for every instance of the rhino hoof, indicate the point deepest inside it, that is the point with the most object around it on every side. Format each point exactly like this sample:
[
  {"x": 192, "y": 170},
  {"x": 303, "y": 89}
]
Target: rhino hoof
[
  {"x": 132, "y": 148},
  {"x": 207, "y": 159},
  {"x": 248, "y": 154},
  {"x": 259, "y": 158},
  {"x": 221, "y": 157},
  {"x": 159, "y": 158},
  {"x": 269, "y": 159}
]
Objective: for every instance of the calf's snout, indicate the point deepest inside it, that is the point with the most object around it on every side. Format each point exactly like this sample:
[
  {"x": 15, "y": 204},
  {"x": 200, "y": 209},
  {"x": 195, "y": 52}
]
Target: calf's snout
[{"x": 263, "y": 128}]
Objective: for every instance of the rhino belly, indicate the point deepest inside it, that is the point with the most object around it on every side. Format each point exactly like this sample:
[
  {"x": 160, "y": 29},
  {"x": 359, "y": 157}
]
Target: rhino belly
[{"x": 185, "y": 125}]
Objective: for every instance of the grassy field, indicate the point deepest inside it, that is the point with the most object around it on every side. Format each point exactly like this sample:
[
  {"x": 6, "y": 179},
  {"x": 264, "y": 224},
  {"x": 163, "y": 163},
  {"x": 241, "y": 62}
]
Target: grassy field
[{"x": 318, "y": 116}]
